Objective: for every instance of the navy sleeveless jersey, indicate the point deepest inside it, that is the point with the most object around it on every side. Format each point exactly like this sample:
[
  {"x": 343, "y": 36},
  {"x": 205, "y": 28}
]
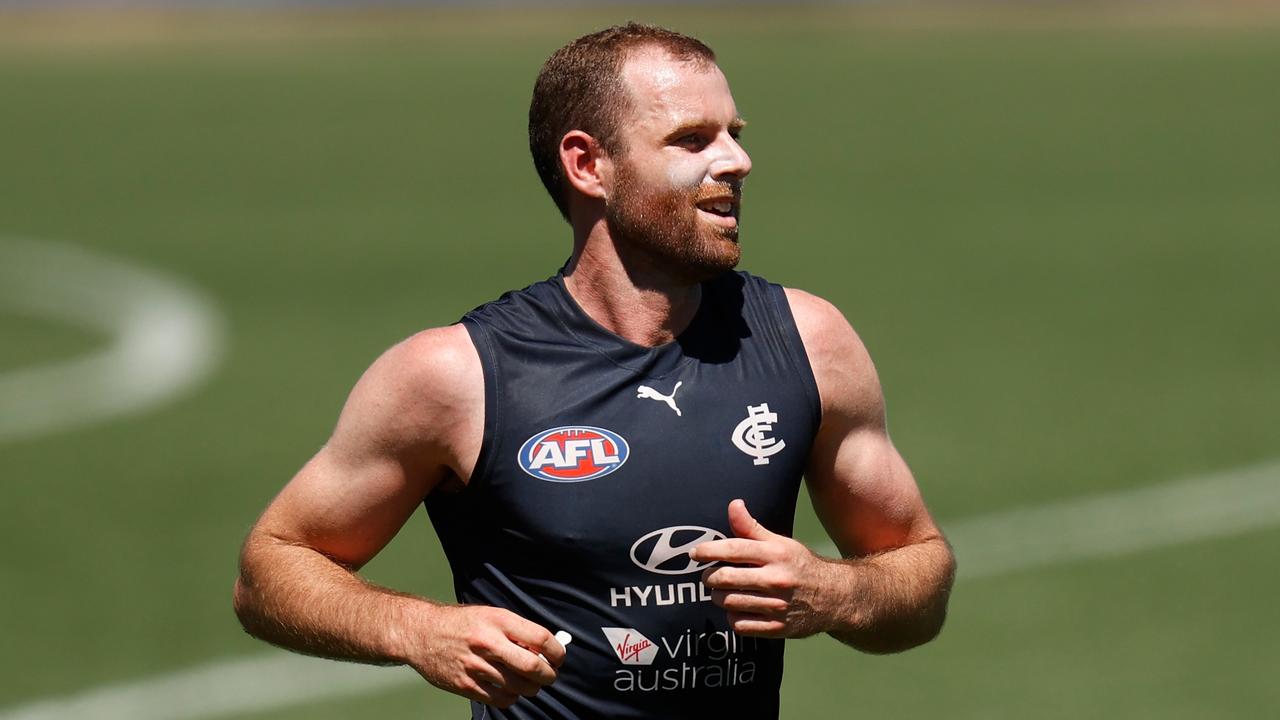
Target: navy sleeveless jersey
[{"x": 603, "y": 462}]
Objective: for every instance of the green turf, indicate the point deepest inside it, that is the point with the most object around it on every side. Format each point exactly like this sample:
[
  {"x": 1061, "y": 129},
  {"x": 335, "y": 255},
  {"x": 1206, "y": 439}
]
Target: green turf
[
  {"x": 31, "y": 341},
  {"x": 1059, "y": 242}
]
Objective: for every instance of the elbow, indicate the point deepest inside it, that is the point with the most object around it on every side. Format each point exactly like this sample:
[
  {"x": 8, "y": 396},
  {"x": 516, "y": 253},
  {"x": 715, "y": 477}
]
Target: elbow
[
  {"x": 926, "y": 630},
  {"x": 905, "y": 637},
  {"x": 911, "y": 629},
  {"x": 246, "y": 594},
  {"x": 247, "y": 591},
  {"x": 927, "y": 625},
  {"x": 247, "y": 603},
  {"x": 242, "y": 603}
]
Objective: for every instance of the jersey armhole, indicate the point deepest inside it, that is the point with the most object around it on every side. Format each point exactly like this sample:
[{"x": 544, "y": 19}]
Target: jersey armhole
[
  {"x": 795, "y": 350},
  {"x": 492, "y": 407}
]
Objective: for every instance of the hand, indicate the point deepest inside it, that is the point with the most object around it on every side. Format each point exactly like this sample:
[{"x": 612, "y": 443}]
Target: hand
[
  {"x": 772, "y": 586},
  {"x": 486, "y": 654}
]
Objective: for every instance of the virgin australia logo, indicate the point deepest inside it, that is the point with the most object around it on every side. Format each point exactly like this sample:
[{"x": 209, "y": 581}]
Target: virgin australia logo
[
  {"x": 630, "y": 646},
  {"x": 752, "y": 436}
]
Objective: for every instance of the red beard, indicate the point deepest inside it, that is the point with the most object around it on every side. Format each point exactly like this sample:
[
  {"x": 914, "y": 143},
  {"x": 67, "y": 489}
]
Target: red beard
[{"x": 663, "y": 225}]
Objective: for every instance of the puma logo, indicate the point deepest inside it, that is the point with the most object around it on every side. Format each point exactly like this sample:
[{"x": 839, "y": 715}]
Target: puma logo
[{"x": 648, "y": 393}]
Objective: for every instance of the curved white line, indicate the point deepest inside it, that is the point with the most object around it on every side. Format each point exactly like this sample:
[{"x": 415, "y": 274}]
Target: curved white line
[
  {"x": 165, "y": 337},
  {"x": 1103, "y": 525},
  {"x": 221, "y": 689}
]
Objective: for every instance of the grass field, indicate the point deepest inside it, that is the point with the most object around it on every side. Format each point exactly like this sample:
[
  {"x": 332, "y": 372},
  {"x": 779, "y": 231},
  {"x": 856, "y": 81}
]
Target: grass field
[{"x": 1059, "y": 235}]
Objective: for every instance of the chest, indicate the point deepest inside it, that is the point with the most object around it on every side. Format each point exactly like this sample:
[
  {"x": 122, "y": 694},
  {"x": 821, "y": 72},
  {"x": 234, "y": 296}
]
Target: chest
[{"x": 588, "y": 458}]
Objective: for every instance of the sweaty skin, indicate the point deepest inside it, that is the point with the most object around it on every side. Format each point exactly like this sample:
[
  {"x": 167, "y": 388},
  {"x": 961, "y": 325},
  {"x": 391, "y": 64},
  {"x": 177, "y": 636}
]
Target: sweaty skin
[{"x": 413, "y": 424}]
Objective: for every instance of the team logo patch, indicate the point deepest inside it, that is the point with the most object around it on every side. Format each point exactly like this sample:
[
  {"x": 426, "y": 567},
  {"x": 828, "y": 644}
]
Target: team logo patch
[
  {"x": 752, "y": 436},
  {"x": 573, "y": 453}
]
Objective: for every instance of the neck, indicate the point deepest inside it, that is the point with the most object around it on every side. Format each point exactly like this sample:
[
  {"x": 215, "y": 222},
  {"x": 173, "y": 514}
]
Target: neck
[{"x": 628, "y": 296}]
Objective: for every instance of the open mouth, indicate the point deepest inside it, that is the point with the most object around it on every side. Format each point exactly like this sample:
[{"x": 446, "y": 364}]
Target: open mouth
[{"x": 722, "y": 207}]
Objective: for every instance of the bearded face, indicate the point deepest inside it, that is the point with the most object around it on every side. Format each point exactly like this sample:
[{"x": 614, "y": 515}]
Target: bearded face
[{"x": 662, "y": 221}]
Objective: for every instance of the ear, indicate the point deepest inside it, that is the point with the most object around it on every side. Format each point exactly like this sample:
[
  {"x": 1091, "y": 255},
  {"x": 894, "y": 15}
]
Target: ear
[{"x": 585, "y": 165}]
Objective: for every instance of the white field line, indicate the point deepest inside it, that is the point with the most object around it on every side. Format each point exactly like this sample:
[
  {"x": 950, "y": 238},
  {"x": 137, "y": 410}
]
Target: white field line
[
  {"x": 163, "y": 337},
  {"x": 1102, "y": 525},
  {"x": 1116, "y": 523},
  {"x": 220, "y": 690}
]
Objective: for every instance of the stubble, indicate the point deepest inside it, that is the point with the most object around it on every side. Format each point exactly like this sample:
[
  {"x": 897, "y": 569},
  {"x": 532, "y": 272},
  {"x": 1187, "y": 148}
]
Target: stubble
[{"x": 663, "y": 224}]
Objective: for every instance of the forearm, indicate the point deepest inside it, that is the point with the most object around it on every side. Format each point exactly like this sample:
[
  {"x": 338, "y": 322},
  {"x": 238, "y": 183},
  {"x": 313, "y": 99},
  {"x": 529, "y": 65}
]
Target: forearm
[
  {"x": 892, "y": 601},
  {"x": 297, "y": 598}
]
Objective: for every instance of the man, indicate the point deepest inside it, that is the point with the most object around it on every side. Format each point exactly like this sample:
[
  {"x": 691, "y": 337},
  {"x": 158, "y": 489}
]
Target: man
[{"x": 614, "y": 454}]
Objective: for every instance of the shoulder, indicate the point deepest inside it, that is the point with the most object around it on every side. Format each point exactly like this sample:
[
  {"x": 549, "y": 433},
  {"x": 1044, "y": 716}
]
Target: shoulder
[
  {"x": 828, "y": 337},
  {"x": 417, "y": 394},
  {"x": 436, "y": 359},
  {"x": 846, "y": 377},
  {"x": 433, "y": 370}
]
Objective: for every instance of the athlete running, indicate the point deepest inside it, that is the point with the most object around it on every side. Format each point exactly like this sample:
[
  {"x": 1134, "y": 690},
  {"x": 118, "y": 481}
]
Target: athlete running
[{"x": 577, "y": 496}]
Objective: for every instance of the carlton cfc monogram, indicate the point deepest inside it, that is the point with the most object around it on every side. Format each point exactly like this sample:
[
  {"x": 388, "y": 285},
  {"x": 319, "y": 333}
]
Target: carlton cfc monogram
[{"x": 752, "y": 434}]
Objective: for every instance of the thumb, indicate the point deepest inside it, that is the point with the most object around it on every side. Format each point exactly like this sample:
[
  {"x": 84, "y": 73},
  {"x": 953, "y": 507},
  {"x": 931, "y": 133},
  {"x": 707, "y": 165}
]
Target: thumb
[{"x": 745, "y": 526}]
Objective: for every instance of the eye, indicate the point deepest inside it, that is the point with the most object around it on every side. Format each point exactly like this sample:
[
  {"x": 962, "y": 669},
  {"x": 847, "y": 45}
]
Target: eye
[{"x": 693, "y": 141}]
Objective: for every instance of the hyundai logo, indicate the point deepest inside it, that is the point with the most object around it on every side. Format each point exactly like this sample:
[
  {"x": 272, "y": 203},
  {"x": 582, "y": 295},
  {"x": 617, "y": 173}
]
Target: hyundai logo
[{"x": 666, "y": 551}]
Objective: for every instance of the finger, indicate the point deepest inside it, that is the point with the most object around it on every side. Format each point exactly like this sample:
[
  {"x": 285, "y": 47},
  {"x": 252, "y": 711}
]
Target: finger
[
  {"x": 752, "y": 579},
  {"x": 734, "y": 550},
  {"x": 522, "y": 661},
  {"x": 483, "y": 692},
  {"x": 756, "y": 625},
  {"x": 745, "y": 526},
  {"x": 766, "y": 606},
  {"x": 536, "y": 639},
  {"x": 485, "y": 673},
  {"x": 517, "y": 684}
]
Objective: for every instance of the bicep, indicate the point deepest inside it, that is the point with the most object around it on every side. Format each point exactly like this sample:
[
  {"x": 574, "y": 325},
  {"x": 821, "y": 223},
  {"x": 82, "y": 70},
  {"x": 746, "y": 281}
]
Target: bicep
[
  {"x": 403, "y": 428},
  {"x": 864, "y": 493},
  {"x": 861, "y": 488},
  {"x": 345, "y": 508}
]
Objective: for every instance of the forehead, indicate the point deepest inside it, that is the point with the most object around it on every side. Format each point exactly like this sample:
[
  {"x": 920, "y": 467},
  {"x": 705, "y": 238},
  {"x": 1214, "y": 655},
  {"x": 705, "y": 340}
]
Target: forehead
[{"x": 667, "y": 91}]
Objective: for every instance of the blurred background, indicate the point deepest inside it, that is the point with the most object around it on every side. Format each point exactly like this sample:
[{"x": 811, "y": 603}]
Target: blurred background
[{"x": 1056, "y": 225}]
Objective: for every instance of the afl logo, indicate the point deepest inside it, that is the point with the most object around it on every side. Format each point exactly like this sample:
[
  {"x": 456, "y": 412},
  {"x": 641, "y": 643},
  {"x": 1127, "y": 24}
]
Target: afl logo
[{"x": 573, "y": 453}]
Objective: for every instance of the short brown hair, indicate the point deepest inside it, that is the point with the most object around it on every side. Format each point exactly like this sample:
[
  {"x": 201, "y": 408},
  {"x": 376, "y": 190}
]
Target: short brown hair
[{"x": 580, "y": 88}]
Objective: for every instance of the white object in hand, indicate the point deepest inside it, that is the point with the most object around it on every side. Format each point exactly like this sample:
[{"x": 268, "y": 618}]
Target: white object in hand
[{"x": 563, "y": 638}]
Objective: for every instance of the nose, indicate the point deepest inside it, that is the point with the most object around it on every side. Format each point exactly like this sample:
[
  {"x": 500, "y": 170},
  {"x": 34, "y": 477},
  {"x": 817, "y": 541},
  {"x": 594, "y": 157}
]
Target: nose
[{"x": 733, "y": 161}]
